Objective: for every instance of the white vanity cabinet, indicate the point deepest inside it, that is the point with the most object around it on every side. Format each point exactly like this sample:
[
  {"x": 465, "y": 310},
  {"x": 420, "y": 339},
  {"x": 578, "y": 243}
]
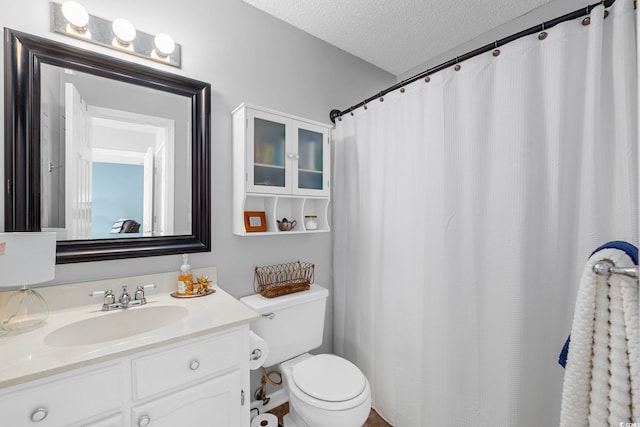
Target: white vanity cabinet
[
  {"x": 281, "y": 166},
  {"x": 199, "y": 381}
]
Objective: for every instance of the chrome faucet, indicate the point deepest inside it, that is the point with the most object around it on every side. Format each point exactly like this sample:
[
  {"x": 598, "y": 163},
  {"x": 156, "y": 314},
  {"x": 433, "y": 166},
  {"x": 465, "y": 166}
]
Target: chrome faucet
[
  {"x": 124, "y": 298},
  {"x": 124, "y": 301}
]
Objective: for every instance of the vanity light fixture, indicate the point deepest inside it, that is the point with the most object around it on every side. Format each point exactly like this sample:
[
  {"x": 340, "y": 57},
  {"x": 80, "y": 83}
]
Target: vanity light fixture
[
  {"x": 124, "y": 32},
  {"x": 26, "y": 258},
  {"x": 72, "y": 19},
  {"x": 76, "y": 15},
  {"x": 164, "y": 45}
]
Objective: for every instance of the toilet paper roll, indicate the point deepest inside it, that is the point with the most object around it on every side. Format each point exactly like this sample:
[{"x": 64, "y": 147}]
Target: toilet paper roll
[
  {"x": 258, "y": 351},
  {"x": 265, "y": 420}
]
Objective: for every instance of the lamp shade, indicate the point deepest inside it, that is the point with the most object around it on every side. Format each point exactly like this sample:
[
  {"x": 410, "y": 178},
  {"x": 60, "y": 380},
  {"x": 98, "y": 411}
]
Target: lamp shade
[{"x": 27, "y": 258}]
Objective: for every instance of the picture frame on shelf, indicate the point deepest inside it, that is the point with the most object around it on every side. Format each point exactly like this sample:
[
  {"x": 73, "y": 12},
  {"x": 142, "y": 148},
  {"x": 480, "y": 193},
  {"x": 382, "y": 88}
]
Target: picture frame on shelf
[{"x": 255, "y": 221}]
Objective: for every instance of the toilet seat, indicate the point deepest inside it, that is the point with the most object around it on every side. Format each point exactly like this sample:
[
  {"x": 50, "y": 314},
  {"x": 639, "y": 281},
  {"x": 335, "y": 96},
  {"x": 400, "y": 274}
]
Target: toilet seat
[
  {"x": 329, "y": 378},
  {"x": 288, "y": 368}
]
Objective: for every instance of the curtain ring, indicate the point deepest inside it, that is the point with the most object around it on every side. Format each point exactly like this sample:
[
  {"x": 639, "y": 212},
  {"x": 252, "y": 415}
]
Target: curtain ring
[
  {"x": 402, "y": 90},
  {"x": 365, "y": 105},
  {"x": 496, "y": 51},
  {"x": 457, "y": 67},
  {"x": 381, "y": 98},
  {"x": 427, "y": 79},
  {"x": 543, "y": 34},
  {"x": 587, "y": 19}
]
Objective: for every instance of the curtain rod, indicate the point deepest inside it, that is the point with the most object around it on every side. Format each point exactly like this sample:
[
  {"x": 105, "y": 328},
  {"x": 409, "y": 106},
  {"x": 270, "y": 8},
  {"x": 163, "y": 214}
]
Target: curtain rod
[{"x": 334, "y": 114}]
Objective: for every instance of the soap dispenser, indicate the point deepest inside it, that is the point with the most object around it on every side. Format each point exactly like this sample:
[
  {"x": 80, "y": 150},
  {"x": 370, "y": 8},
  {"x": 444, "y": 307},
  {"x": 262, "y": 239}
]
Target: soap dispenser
[{"x": 185, "y": 278}]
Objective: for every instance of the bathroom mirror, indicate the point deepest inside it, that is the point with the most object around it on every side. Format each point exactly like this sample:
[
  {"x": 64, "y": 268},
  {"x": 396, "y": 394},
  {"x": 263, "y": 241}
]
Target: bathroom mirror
[{"x": 112, "y": 155}]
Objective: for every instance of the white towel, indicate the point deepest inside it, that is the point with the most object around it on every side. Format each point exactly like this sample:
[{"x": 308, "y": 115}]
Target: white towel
[{"x": 602, "y": 377}]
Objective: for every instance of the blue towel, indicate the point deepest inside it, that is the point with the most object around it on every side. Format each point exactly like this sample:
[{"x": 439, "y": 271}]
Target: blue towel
[{"x": 627, "y": 248}]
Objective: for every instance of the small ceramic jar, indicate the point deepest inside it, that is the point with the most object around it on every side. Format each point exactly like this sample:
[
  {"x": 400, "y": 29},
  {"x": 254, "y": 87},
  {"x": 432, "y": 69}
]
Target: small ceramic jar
[{"x": 311, "y": 222}]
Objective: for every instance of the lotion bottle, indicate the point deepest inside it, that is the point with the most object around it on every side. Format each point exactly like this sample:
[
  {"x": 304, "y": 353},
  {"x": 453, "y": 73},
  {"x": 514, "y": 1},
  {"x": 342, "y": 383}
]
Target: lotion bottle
[{"x": 185, "y": 278}]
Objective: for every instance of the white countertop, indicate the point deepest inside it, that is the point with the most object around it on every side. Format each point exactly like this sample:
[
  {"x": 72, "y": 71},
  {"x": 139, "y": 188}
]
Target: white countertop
[{"x": 26, "y": 356}]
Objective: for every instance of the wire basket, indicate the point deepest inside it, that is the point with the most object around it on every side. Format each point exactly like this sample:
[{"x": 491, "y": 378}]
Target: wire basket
[{"x": 276, "y": 280}]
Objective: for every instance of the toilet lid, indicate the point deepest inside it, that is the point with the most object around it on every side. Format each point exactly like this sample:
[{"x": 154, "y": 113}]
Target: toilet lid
[{"x": 329, "y": 377}]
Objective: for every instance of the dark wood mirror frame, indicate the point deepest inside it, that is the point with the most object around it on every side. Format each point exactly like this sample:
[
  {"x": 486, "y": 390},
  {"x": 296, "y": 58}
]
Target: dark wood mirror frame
[{"x": 24, "y": 55}]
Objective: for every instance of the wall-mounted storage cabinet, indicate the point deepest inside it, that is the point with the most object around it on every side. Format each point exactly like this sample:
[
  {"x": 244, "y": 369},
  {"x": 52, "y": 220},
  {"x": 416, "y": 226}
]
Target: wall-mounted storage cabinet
[{"x": 281, "y": 167}]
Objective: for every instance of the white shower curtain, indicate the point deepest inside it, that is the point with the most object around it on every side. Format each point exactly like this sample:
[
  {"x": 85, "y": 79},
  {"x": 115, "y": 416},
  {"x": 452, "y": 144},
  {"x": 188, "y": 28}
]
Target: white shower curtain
[{"x": 464, "y": 211}]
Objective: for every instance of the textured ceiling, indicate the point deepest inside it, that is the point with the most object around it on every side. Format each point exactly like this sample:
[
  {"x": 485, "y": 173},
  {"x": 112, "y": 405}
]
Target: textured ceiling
[{"x": 396, "y": 35}]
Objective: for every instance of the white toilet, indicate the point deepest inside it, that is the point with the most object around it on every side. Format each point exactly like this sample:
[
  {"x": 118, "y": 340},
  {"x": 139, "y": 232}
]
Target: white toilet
[{"x": 324, "y": 390}]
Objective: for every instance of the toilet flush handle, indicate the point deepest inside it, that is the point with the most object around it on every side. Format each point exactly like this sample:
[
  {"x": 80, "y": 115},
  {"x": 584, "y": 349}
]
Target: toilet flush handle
[{"x": 269, "y": 315}]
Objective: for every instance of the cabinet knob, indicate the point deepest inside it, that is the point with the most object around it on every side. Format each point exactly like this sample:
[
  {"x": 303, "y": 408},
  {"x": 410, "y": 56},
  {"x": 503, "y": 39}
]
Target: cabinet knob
[
  {"x": 39, "y": 415},
  {"x": 144, "y": 421},
  {"x": 290, "y": 155},
  {"x": 296, "y": 156},
  {"x": 194, "y": 364}
]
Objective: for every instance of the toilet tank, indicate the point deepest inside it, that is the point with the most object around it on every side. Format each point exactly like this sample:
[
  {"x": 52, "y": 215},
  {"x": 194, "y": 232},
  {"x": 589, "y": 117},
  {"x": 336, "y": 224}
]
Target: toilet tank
[{"x": 291, "y": 324}]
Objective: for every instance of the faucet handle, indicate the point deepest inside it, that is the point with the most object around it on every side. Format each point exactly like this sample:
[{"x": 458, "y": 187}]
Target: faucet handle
[
  {"x": 98, "y": 293},
  {"x": 109, "y": 298},
  {"x": 139, "y": 295}
]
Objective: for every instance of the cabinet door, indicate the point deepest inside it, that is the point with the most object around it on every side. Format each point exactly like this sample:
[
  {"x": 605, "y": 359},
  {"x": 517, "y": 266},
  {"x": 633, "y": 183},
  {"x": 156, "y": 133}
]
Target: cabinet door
[
  {"x": 268, "y": 154},
  {"x": 214, "y": 403},
  {"x": 312, "y": 160}
]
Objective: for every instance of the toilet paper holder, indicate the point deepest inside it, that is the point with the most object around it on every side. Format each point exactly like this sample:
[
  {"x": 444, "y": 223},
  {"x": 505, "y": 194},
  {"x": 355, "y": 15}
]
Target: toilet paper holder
[{"x": 258, "y": 351}]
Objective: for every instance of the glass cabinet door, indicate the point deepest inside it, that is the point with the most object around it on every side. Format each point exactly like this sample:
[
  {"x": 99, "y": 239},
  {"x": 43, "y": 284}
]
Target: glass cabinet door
[
  {"x": 267, "y": 140},
  {"x": 312, "y": 157},
  {"x": 269, "y": 153}
]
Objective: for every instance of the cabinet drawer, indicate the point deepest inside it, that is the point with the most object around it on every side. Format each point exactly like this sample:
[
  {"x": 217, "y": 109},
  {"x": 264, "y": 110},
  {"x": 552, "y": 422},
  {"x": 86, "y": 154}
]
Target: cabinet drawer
[
  {"x": 181, "y": 365},
  {"x": 65, "y": 401}
]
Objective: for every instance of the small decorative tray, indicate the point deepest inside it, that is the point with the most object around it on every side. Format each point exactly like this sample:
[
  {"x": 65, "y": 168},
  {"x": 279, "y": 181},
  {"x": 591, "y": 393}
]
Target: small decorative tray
[{"x": 177, "y": 295}]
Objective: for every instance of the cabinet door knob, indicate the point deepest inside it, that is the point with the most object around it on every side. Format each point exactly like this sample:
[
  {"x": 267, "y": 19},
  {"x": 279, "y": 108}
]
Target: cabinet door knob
[
  {"x": 144, "y": 421},
  {"x": 296, "y": 156},
  {"x": 290, "y": 155},
  {"x": 194, "y": 364},
  {"x": 39, "y": 415}
]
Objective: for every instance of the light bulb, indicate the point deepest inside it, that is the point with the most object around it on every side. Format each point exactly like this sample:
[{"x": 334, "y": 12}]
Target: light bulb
[
  {"x": 164, "y": 45},
  {"x": 76, "y": 14},
  {"x": 124, "y": 31}
]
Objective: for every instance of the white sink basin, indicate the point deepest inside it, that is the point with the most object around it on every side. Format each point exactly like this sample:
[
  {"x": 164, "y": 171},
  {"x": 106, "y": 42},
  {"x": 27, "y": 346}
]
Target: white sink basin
[{"x": 115, "y": 325}]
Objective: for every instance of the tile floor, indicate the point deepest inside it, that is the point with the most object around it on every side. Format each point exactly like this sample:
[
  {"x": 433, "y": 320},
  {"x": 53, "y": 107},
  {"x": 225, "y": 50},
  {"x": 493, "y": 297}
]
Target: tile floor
[{"x": 374, "y": 419}]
